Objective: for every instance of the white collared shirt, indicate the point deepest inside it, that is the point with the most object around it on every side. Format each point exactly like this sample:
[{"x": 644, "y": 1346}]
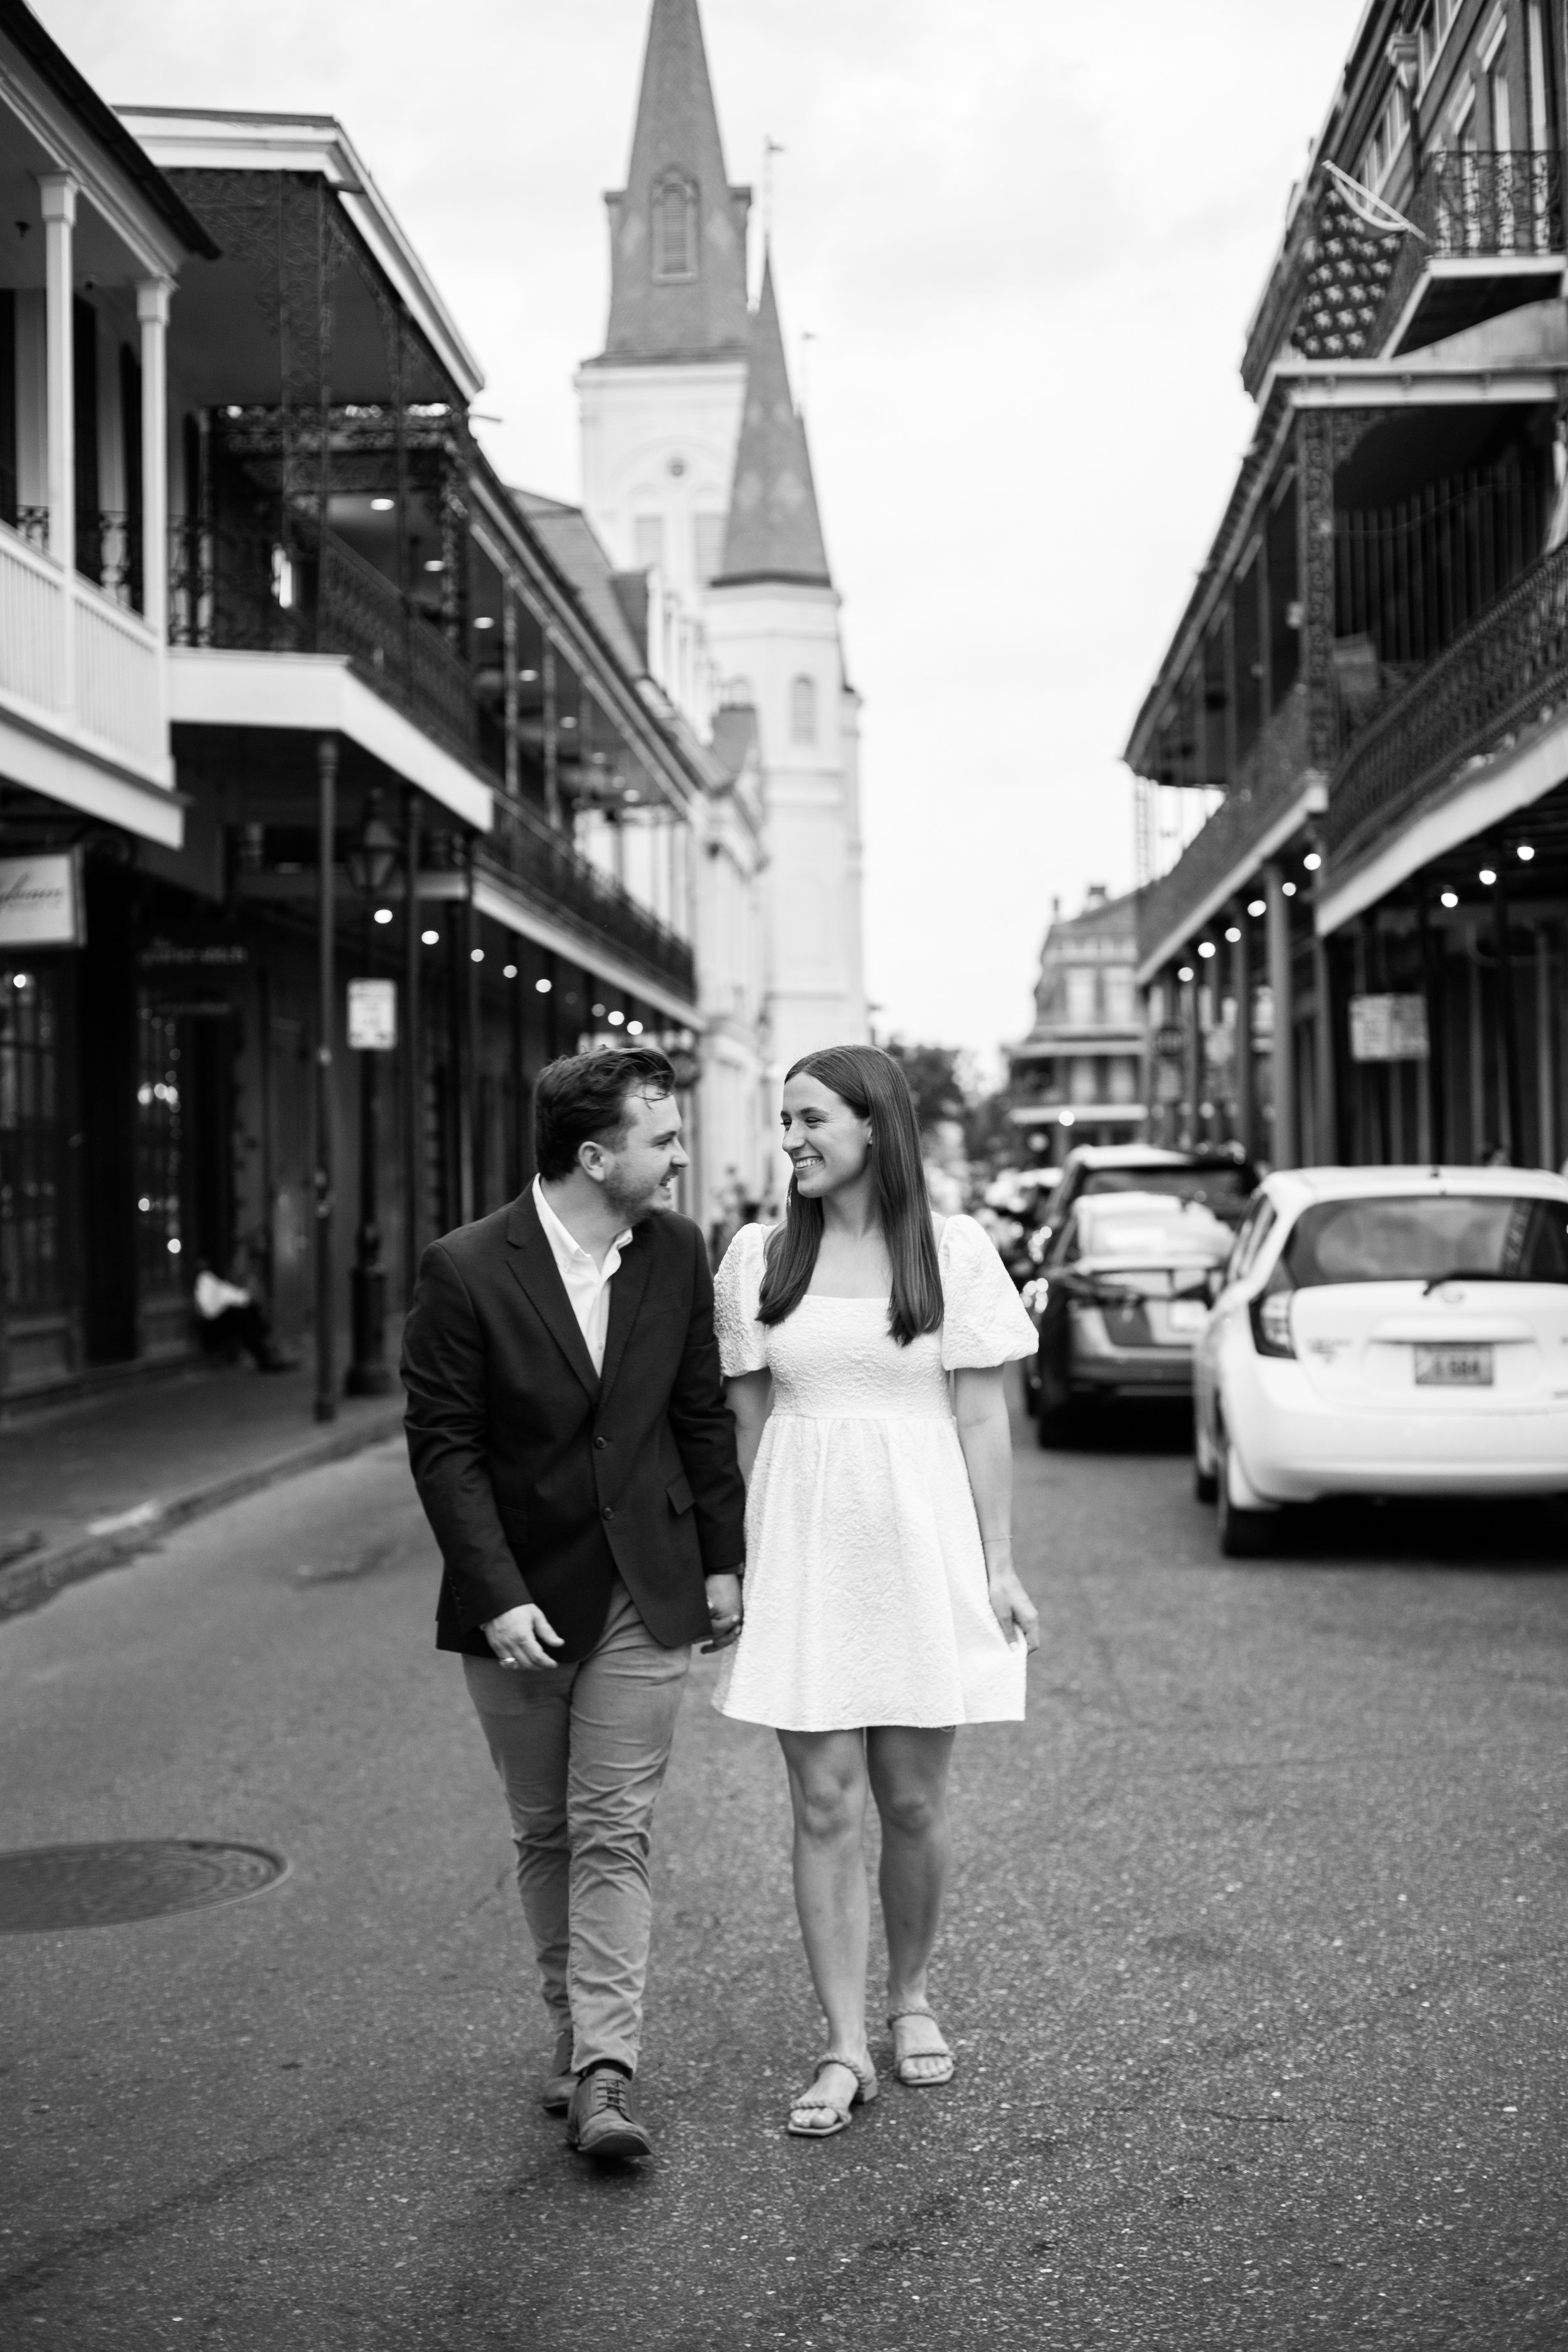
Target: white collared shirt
[{"x": 587, "y": 1284}]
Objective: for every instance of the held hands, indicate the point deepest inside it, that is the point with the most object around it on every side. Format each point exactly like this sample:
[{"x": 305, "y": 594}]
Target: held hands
[
  {"x": 1010, "y": 1604},
  {"x": 517, "y": 1636},
  {"x": 724, "y": 1612}
]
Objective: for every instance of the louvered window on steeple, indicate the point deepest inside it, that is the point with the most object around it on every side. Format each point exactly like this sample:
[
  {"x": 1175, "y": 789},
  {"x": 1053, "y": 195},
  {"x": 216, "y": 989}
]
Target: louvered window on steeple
[
  {"x": 803, "y": 710},
  {"x": 674, "y": 227}
]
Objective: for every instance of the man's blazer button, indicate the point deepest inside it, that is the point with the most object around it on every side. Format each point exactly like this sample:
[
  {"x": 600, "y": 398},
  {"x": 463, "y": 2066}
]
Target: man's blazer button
[
  {"x": 609, "y": 1510},
  {"x": 601, "y": 1442}
]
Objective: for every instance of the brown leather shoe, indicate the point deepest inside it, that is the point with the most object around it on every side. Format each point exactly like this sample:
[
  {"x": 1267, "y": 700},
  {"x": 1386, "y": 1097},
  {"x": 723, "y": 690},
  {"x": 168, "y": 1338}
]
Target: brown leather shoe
[{"x": 602, "y": 2121}]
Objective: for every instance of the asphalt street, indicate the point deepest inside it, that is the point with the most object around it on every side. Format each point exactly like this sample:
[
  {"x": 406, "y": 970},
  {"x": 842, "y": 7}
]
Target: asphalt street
[{"x": 1254, "y": 1964}]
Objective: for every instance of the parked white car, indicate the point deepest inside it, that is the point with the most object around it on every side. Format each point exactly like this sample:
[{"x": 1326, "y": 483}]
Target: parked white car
[{"x": 1386, "y": 1331}]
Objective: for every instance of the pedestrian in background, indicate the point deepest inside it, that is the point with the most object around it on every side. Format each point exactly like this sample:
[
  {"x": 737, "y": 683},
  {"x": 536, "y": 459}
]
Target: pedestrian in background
[
  {"x": 864, "y": 1342},
  {"x": 569, "y": 1439}
]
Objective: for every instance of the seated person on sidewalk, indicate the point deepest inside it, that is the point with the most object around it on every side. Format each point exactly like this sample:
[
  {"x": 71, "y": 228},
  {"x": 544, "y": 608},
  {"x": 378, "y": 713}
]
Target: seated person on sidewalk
[{"x": 231, "y": 1319}]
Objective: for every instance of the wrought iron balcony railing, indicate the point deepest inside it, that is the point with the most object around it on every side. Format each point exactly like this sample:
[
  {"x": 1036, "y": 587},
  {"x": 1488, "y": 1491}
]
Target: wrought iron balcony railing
[
  {"x": 1340, "y": 287},
  {"x": 527, "y": 854},
  {"x": 1266, "y": 783},
  {"x": 1509, "y": 667},
  {"x": 234, "y": 589},
  {"x": 241, "y": 591},
  {"x": 1505, "y": 203}
]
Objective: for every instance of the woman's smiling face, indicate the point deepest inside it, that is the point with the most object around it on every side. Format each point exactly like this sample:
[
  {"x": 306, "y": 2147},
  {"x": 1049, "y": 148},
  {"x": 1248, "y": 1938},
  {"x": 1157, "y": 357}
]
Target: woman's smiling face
[{"x": 825, "y": 1142}]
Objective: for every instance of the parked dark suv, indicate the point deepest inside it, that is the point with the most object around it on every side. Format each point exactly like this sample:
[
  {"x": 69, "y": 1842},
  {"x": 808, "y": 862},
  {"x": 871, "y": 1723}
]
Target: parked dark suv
[
  {"x": 1219, "y": 1179},
  {"x": 1123, "y": 1273}
]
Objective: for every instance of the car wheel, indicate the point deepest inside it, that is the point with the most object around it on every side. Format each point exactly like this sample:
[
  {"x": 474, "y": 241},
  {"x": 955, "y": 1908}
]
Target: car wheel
[
  {"x": 1057, "y": 1414},
  {"x": 1243, "y": 1535}
]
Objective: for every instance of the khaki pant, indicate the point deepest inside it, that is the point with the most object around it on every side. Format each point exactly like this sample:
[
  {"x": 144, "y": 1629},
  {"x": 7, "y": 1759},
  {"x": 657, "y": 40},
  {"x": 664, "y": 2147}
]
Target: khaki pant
[{"x": 580, "y": 1751}]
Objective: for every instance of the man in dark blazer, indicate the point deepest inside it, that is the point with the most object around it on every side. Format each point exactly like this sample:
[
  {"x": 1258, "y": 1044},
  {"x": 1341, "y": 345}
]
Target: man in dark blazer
[{"x": 574, "y": 1455}]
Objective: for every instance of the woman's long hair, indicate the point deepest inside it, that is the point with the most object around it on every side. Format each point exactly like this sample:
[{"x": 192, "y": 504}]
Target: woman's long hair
[{"x": 875, "y": 1088}]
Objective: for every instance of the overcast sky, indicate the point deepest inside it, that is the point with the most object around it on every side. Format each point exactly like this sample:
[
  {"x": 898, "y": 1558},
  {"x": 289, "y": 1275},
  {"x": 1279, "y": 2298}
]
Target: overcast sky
[{"x": 1027, "y": 236}]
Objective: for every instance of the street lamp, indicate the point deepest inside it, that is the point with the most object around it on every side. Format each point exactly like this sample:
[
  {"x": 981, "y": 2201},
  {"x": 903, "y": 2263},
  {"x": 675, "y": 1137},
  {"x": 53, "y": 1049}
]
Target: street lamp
[{"x": 371, "y": 864}]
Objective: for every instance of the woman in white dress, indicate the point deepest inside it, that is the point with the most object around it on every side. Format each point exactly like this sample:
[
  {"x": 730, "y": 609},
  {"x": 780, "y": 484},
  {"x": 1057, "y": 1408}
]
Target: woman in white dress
[{"x": 863, "y": 1345}]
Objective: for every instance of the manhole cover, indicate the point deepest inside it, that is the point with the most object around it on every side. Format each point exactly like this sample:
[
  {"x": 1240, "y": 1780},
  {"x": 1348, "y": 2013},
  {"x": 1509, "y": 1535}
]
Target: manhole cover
[{"x": 97, "y": 1886}]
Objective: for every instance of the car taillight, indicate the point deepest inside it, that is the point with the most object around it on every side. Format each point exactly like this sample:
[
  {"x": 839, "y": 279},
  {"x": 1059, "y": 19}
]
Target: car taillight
[{"x": 1270, "y": 1316}]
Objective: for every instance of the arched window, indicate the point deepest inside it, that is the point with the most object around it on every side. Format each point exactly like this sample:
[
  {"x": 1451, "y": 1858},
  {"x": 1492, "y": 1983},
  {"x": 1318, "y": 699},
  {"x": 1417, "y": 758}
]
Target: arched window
[
  {"x": 674, "y": 227},
  {"x": 803, "y": 710}
]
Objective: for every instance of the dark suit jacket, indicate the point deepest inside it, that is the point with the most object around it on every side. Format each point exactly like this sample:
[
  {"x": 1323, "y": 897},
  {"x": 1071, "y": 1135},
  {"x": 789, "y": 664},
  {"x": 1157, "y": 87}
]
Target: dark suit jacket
[{"x": 540, "y": 1479}]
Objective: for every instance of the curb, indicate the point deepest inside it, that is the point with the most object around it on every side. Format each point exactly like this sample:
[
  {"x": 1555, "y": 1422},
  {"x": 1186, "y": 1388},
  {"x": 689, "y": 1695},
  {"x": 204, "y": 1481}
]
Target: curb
[{"x": 26, "y": 1583}]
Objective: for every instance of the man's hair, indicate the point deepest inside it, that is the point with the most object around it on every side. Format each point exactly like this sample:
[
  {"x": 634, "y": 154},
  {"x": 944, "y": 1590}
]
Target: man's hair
[{"x": 582, "y": 1099}]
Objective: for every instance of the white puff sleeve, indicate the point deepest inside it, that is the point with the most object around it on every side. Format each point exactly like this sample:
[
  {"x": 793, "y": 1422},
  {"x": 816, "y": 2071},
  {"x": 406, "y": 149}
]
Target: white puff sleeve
[
  {"x": 983, "y": 1322},
  {"x": 742, "y": 1341}
]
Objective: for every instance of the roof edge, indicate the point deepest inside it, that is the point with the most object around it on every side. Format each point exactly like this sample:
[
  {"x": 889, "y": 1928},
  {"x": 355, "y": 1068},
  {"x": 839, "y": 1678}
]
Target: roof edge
[{"x": 20, "y": 26}]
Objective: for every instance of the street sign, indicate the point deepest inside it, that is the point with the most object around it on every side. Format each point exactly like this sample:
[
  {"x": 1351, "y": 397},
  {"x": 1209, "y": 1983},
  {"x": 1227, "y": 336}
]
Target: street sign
[
  {"x": 1170, "y": 1043},
  {"x": 40, "y": 901},
  {"x": 1388, "y": 1029},
  {"x": 373, "y": 1016},
  {"x": 687, "y": 1067}
]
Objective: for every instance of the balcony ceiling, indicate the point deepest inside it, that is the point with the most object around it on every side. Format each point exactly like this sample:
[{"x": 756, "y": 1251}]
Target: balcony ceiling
[
  {"x": 224, "y": 349},
  {"x": 1460, "y": 294}
]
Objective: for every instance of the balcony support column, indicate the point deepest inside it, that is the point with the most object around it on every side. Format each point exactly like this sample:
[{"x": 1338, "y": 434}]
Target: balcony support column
[
  {"x": 1435, "y": 1142},
  {"x": 1508, "y": 1021},
  {"x": 1325, "y": 438},
  {"x": 413, "y": 1055},
  {"x": 59, "y": 192},
  {"x": 326, "y": 1030},
  {"x": 1545, "y": 1090},
  {"x": 1284, "y": 1151},
  {"x": 1241, "y": 982},
  {"x": 508, "y": 686},
  {"x": 1192, "y": 1135},
  {"x": 1325, "y": 1103},
  {"x": 152, "y": 319},
  {"x": 468, "y": 1090},
  {"x": 549, "y": 719}
]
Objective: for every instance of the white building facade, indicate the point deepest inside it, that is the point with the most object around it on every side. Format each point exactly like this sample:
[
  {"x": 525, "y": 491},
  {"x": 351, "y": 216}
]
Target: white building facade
[{"x": 696, "y": 471}]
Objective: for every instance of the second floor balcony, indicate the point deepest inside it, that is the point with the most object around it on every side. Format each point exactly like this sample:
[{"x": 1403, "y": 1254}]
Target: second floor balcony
[{"x": 1486, "y": 235}]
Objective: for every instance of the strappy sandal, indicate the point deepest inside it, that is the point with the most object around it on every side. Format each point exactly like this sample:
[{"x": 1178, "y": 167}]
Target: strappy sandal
[
  {"x": 812, "y": 2102},
  {"x": 902, "y": 2058}
]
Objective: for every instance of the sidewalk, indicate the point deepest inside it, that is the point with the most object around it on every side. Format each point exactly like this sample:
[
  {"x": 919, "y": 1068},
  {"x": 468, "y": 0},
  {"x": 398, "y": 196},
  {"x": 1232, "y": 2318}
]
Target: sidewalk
[{"x": 89, "y": 1485}]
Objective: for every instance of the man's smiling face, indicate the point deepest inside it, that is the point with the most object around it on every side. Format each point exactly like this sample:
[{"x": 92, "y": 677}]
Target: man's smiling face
[{"x": 641, "y": 1165}]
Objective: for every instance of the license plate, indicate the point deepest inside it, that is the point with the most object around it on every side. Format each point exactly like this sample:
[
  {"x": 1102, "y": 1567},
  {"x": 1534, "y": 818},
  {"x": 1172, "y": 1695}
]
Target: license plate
[
  {"x": 1187, "y": 1314},
  {"x": 1453, "y": 1367}
]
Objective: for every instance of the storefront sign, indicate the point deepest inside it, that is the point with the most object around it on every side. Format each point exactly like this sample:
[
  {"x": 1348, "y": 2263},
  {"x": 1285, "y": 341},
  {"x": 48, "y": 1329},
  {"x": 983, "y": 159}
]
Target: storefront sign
[
  {"x": 1388, "y": 1029},
  {"x": 40, "y": 901},
  {"x": 1170, "y": 1043},
  {"x": 373, "y": 1016}
]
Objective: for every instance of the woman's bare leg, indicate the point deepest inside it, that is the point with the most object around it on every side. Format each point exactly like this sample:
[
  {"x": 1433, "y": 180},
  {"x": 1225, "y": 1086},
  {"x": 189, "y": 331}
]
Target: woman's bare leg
[
  {"x": 828, "y": 1791},
  {"x": 908, "y": 1771}
]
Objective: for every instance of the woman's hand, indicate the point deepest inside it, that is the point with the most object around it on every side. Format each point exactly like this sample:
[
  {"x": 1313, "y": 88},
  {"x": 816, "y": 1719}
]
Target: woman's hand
[
  {"x": 1010, "y": 1604},
  {"x": 724, "y": 1612}
]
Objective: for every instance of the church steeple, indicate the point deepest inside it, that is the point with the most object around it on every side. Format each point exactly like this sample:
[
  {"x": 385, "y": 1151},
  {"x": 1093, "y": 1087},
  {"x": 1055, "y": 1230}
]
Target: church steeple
[
  {"x": 678, "y": 228},
  {"x": 774, "y": 532}
]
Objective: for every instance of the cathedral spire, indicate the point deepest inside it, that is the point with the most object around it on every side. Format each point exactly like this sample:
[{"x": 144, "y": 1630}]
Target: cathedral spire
[
  {"x": 775, "y": 530},
  {"x": 678, "y": 228}
]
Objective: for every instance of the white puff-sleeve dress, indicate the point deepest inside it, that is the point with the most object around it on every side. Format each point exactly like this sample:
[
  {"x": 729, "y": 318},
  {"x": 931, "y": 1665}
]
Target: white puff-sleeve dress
[{"x": 865, "y": 1589}]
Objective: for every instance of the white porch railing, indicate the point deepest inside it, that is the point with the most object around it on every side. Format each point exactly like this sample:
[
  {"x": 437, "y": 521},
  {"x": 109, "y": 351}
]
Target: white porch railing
[
  {"x": 117, "y": 661},
  {"x": 117, "y": 675},
  {"x": 32, "y": 625}
]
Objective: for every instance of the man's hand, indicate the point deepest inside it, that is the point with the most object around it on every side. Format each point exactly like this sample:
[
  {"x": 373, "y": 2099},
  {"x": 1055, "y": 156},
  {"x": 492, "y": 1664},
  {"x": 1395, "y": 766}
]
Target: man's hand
[
  {"x": 517, "y": 1634},
  {"x": 725, "y": 1611}
]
